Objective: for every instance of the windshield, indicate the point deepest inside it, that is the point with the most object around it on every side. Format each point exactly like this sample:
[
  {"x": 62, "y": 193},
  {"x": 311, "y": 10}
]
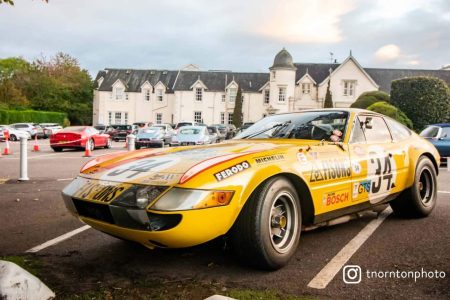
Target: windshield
[
  {"x": 183, "y": 124},
  {"x": 190, "y": 131},
  {"x": 311, "y": 125},
  {"x": 73, "y": 129},
  {"x": 151, "y": 130},
  {"x": 430, "y": 132}
]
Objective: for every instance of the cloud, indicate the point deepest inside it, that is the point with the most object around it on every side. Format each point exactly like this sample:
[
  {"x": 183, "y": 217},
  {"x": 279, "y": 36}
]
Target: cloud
[
  {"x": 388, "y": 53},
  {"x": 303, "y": 21}
]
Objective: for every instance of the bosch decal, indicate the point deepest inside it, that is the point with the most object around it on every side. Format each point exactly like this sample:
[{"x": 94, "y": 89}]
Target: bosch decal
[
  {"x": 335, "y": 198},
  {"x": 233, "y": 170}
]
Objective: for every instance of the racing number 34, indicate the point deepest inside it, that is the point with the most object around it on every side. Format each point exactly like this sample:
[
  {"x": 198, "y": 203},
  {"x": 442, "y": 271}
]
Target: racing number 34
[{"x": 383, "y": 173}]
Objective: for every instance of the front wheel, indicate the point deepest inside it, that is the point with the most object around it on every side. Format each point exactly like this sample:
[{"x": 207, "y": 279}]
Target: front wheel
[
  {"x": 267, "y": 231},
  {"x": 420, "y": 199},
  {"x": 108, "y": 144},
  {"x": 13, "y": 138}
]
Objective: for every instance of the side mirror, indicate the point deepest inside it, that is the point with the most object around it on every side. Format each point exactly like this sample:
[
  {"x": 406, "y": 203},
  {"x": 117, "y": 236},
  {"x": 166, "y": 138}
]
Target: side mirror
[
  {"x": 443, "y": 135},
  {"x": 369, "y": 123}
]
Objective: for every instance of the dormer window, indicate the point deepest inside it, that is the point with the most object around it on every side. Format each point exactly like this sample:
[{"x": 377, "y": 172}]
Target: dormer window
[
  {"x": 306, "y": 88},
  {"x": 159, "y": 95},
  {"x": 232, "y": 92},
  {"x": 119, "y": 93},
  {"x": 147, "y": 94},
  {"x": 198, "y": 94}
]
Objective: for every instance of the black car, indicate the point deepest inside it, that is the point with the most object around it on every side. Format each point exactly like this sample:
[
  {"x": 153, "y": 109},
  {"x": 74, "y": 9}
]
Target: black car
[{"x": 120, "y": 132}]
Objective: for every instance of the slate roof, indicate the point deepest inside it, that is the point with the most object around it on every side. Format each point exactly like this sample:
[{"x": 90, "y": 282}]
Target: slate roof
[{"x": 249, "y": 82}]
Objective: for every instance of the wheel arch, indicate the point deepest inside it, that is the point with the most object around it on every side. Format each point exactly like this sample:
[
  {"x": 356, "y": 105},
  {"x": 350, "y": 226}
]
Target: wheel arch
[{"x": 433, "y": 160}]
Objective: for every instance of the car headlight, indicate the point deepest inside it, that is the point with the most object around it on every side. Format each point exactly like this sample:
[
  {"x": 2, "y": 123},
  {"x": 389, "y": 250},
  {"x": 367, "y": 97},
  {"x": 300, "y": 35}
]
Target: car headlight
[
  {"x": 139, "y": 197},
  {"x": 186, "y": 199}
]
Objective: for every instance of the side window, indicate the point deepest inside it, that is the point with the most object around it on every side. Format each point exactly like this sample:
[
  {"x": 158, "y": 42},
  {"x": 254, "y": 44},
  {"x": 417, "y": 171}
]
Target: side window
[
  {"x": 375, "y": 129},
  {"x": 399, "y": 132},
  {"x": 358, "y": 133}
]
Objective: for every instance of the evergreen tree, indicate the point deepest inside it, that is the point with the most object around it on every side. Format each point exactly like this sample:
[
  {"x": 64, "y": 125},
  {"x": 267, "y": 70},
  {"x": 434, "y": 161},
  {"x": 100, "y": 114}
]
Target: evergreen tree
[
  {"x": 328, "y": 99},
  {"x": 237, "y": 114}
]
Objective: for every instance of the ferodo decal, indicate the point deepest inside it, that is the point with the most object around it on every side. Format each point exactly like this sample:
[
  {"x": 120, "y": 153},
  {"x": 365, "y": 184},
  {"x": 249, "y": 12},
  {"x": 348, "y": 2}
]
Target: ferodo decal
[
  {"x": 335, "y": 198},
  {"x": 237, "y": 168},
  {"x": 98, "y": 192},
  {"x": 268, "y": 159},
  {"x": 381, "y": 172},
  {"x": 140, "y": 168},
  {"x": 330, "y": 169}
]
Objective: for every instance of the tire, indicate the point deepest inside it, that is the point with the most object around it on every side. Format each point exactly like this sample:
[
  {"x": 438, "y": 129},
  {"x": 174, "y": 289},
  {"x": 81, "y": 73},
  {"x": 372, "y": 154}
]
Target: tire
[
  {"x": 13, "y": 137},
  {"x": 254, "y": 234},
  {"x": 420, "y": 199},
  {"x": 57, "y": 149},
  {"x": 108, "y": 144},
  {"x": 137, "y": 147},
  {"x": 91, "y": 144}
]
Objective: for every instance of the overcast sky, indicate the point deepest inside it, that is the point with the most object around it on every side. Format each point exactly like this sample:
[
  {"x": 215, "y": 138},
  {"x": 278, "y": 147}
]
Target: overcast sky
[{"x": 233, "y": 35}]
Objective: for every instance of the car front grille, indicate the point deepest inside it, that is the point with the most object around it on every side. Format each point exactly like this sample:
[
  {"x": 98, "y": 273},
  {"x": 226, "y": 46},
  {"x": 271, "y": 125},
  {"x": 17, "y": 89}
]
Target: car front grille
[
  {"x": 91, "y": 210},
  {"x": 187, "y": 143}
]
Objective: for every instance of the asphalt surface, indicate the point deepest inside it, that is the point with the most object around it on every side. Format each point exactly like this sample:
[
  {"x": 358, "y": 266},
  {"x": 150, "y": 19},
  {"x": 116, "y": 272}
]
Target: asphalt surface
[{"x": 32, "y": 213}]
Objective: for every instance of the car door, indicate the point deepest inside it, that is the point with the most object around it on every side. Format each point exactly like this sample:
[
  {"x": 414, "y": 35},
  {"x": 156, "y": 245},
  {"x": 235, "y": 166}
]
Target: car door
[
  {"x": 379, "y": 165},
  {"x": 442, "y": 143}
]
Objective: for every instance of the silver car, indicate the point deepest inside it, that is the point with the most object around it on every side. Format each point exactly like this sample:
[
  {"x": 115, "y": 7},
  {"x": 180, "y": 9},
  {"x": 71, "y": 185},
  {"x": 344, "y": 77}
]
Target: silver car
[
  {"x": 191, "y": 135},
  {"x": 155, "y": 136},
  {"x": 28, "y": 127},
  {"x": 14, "y": 134}
]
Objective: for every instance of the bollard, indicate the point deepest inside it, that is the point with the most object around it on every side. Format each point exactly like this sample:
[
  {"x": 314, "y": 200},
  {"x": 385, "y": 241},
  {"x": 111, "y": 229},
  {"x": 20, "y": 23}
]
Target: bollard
[
  {"x": 130, "y": 142},
  {"x": 23, "y": 159}
]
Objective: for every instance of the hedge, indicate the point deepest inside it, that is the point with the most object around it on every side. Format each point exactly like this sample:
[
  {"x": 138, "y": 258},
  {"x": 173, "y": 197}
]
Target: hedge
[
  {"x": 32, "y": 116},
  {"x": 425, "y": 100},
  {"x": 392, "y": 112},
  {"x": 368, "y": 98}
]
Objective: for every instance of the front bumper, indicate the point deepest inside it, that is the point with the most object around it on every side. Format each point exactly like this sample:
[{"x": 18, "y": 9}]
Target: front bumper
[
  {"x": 149, "y": 143},
  {"x": 152, "y": 228}
]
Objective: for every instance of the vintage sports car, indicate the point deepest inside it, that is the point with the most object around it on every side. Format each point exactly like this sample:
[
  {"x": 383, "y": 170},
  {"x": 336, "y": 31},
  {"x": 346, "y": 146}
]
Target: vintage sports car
[
  {"x": 76, "y": 137},
  {"x": 282, "y": 174}
]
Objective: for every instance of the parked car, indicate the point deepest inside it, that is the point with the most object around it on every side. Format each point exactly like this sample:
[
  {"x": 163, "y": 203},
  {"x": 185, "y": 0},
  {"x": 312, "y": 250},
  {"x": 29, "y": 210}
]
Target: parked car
[
  {"x": 288, "y": 171},
  {"x": 439, "y": 136},
  {"x": 244, "y": 126},
  {"x": 223, "y": 129},
  {"x": 120, "y": 132},
  {"x": 191, "y": 135},
  {"x": 28, "y": 127},
  {"x": 154, "y": 136},
  {"x": 214, "y": 134},
  {"x": 143, "y": 124},
  {"x": 76, "y": 137},
  {"x": 14, "y": 134},
  {"x": 181, "y": 124},
  {"x": 101, "y": 128},
  {"x": 40, "y": 131},
  {"x": 50, "y": 128}
]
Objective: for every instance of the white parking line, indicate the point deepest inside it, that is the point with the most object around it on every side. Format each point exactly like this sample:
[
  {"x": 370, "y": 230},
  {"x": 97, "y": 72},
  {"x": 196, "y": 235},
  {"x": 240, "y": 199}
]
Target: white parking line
[
  {"x": 324, "y": 277},
  {"x": 58, "y": 239},
  {"x": 64, "y": 179},
  {"x": 444, "y": 192}
]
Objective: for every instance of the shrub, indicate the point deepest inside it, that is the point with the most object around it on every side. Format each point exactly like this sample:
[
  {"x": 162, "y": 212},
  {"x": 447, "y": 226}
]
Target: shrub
[
  {"x": 392, "y": 112},
  {"x": 368, "y": 98},
  {"x": 33, "y": 116},
  {"x": 426, "y": 100}
]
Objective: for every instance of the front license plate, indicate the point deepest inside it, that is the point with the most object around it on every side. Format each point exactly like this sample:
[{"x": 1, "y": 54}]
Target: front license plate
[
  {"x": 61, "y": 142},
  {"x": 104, "y": 193}
]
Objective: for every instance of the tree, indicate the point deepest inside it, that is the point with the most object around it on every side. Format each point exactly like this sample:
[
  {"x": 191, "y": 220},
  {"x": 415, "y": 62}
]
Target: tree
[
  {"x": 328, "y": 99},
  {"x": 11, "y": 2},
  {"x": 392, "y": 112},
  {"x": 11, "y": 96},
  {"x": 368, "y": 98},
  {"x": 426, "y": 100},
  {"x": 237, "y": 114}
]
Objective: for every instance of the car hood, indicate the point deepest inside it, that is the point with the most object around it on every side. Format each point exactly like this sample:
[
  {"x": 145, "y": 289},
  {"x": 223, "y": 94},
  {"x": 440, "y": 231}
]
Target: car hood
[
  {"x": 166, "y": 166},
  {"x": 189, "y": 137}
]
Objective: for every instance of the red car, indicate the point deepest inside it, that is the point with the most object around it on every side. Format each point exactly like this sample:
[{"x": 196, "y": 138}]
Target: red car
[{"x": 76, "y": 137}]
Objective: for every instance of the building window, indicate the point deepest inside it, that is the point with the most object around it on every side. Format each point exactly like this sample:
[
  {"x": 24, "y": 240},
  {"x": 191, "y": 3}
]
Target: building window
[
  {"x": 224, "y": 97},
  {"x": 306, "y": 88},
  {"x": 222, "y": 118},
  {"x": 198, "y": 116},
  {"x": 119, "y": 93},
  {"x": 266, "y": 96},
  {"x": 232, "y": 94},
  {"x": 125, "y": 118},
  {"x": 147, "y": 94},
  {"x": 159, "y": 94},
  {"x": 117, "y": 117},
  {"x": 109, "y": 118},
  {"x": 281, "y": 94},
  {"x": 349, "y": 87},
  {"x": 198, "y": 94},
  {"x": 230, "y": 118},
  {"x": 274, "y": 74},
  {"x": 126, "y": 96},
  {"x": 158, "y": 118}
]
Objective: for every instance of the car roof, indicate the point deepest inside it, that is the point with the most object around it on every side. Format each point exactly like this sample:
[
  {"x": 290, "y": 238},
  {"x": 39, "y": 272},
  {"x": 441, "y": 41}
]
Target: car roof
[{"x": 441, "y": 125}]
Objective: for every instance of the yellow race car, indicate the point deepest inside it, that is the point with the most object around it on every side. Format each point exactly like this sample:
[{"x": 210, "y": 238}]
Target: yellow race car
[{"x": 284, "y": 173}]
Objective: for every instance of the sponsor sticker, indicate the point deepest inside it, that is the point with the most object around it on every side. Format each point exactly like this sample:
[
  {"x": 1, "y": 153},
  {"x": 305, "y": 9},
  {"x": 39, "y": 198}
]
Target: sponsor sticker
[
  {"x": 100, "y": 192},
  {"x": 268, "y": 159},
  {"x": 356, "y": 168},
  {"x": 335, "y": 198},
  {"x": 301, "y": 157},
  {"x": 361, "y": 187},
  {"x": 233, "y": 170},
  {"x": 330, "y": 169}
]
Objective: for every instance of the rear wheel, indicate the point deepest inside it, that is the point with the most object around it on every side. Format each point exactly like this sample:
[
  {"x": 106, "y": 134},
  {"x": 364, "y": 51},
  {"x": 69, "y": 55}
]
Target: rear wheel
[
  {"x": 420, "y": 199},
  {"x": 57, "y": 149},
  {"x": 13, "y": 137},
  {"x": 267, "y": 231}
]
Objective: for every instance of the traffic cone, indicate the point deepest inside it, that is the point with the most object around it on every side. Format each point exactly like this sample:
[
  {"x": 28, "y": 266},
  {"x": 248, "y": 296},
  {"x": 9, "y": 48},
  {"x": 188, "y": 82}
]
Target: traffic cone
[
  {"x": 87, "y": 149},
  {"x": 6, "y": 151},
  {"x": 36, "y": 145}
]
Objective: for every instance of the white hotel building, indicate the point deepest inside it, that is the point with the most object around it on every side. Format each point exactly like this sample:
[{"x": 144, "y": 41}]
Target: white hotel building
[{"x": 163, "y": 96}]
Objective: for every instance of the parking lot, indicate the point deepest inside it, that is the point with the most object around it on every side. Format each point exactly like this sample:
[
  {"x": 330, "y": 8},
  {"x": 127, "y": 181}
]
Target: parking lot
[{"x": 90, "y": 264}]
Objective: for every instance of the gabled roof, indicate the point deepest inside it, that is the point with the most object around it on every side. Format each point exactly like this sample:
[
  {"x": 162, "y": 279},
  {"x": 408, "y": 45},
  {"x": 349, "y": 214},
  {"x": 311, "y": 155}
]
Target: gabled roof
[{"x": 317, "y": 71}]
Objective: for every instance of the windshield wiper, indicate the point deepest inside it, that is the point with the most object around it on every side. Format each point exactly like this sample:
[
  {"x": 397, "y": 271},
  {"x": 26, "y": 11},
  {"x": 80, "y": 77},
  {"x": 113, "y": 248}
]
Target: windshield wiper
[{"x": 279, "y": 126}]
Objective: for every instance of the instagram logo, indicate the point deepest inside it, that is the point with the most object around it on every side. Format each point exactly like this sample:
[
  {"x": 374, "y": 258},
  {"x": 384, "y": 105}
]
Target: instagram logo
[{"x": 351, "y": 274}]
